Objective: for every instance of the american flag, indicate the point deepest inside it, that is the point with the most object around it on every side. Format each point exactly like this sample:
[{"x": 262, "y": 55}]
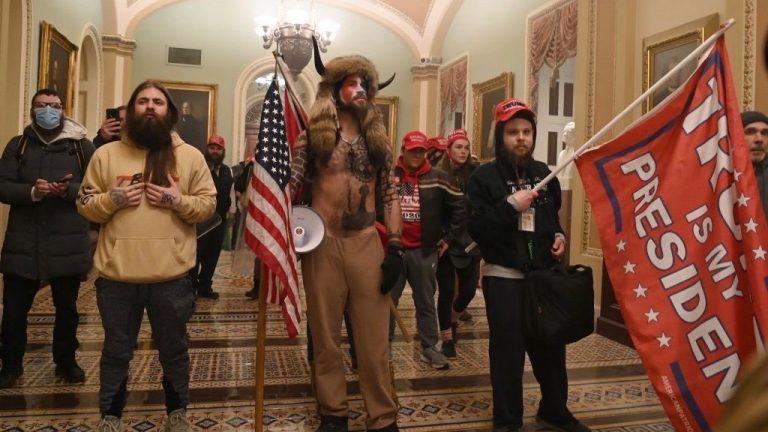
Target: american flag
[{"x": 267, "y": 224}]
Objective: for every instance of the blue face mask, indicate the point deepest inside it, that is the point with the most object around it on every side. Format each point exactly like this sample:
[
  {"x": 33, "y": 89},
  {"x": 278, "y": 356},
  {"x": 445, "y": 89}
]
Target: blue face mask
[{"x": 47, "y": 117}]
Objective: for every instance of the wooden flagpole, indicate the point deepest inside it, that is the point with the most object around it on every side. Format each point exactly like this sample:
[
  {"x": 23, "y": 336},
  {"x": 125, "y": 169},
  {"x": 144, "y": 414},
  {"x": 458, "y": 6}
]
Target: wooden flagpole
[{"x": 261, "y": 336}]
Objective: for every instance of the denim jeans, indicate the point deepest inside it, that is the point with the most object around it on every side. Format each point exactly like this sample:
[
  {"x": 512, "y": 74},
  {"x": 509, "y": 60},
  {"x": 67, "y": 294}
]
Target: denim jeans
[{"x": 121, "y": 306}]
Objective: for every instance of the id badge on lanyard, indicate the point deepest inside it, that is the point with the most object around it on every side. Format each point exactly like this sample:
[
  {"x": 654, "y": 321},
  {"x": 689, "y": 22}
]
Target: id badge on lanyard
[{"x": 527, "y": 220}]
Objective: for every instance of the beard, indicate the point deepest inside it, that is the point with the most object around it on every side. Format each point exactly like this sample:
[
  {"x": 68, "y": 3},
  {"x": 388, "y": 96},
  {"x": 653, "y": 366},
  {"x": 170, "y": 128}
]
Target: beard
[
  {"x": 215, "y": 159},
  {"x": 357, "y": 111},
  {"x": 512, "y": 162},
  {"x": 153, "y": 133}
]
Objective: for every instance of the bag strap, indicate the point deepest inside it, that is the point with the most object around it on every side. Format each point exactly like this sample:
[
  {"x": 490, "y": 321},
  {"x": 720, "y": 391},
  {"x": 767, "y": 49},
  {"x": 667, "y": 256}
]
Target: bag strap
[
  {"x": 20, "y": 154},
  {"x": 80, "y": 157}
]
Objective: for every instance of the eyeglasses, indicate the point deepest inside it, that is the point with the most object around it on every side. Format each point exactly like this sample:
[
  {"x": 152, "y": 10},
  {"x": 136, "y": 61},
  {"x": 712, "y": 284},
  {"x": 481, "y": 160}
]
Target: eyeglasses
[{"x": 54, "y": 105}]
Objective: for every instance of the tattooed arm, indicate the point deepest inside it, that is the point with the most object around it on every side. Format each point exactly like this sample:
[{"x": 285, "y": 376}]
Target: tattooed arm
[
  {"x": 99, "y": 198},
  {"x": 299, "y": 161},
  {"x": 391, "y": 201}
]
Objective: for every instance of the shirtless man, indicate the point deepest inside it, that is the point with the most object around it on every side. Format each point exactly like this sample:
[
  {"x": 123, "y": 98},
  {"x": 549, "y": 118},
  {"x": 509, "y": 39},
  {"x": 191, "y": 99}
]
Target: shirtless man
[{"x": 347, "y": 163}]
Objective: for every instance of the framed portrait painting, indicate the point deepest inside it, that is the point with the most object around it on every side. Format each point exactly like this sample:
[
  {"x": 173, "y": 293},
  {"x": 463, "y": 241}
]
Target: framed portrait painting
[
  {"x": 663, "y": 51},
  {"x": 56, "y": 66},
  {"x": 485, "y": 96},
  {"x": 452, "y": 82},
  {"x": 197, "y": 111},
  {"x": 387, "y": 105}
]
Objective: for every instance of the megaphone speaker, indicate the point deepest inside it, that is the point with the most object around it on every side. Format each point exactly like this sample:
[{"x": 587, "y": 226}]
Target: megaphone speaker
[{"x": 307, "y": 229}]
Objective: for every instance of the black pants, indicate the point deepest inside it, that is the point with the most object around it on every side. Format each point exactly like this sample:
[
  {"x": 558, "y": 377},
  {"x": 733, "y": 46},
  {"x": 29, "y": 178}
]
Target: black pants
[
  {"x": 121, "y": 305},
  {"x": 18, "y": 295},
  {"x": 507, "y": 348},
  {"x": 446, "y": 277},
  {"x": 208, "y": 251}
]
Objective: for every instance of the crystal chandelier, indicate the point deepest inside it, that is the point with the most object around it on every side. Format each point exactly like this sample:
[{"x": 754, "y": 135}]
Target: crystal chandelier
[{"x": 292, "y": 32}]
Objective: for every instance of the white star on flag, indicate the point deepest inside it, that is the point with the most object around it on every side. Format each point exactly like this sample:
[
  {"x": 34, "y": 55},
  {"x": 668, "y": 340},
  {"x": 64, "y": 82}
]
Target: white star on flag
[
  {"x": 751, "y": 225},
  {"x": 652, "y": 315},
  {"x": 663, "y": 340},
  {"x": 742, "y": 200},
  {"x": 759, "y": 253},
  {"x": 640, "y": 291},
  {"x": 629, "y": 267},
  {"x": 620, "y": 245},
  {"x": 737, "y": 175}
]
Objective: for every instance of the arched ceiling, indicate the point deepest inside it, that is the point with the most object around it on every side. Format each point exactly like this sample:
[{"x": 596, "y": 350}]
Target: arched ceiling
[{"x": 422, "y": 24}]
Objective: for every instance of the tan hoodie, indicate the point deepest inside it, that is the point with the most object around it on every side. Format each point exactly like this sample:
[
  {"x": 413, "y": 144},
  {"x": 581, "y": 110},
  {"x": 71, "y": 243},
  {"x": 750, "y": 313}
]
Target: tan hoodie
[{"x": 146, "y": 243}]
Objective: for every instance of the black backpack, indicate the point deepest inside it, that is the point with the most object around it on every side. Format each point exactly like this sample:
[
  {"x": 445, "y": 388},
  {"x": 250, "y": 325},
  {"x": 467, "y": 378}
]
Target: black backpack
[{"x": 558, "y": 305}]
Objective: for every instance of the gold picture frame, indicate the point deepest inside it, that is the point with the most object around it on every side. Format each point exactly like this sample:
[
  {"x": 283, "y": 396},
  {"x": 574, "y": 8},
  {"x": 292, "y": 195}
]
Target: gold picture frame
[
  {"x": 662, "y": 51},
  {"x": 388, "y": 105},
  {"x": 56, "y": 65},
  {"x": 485, "y": 96},
  {"x": 201, "y": 99}
]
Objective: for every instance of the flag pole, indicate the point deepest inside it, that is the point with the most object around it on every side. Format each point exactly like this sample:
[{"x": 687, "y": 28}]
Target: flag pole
[
  {"x": 289, "y": 84},
  {"x": 261, "y": 335},
  {"x": 596, "y": 137}
]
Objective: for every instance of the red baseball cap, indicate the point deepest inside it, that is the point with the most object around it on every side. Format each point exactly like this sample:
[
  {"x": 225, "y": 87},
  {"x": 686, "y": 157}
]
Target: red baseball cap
[
  {"x": 216, "y": 140},
  {"x": 457, "y": 135},
  {"x": 415, "y": 139},
  {"x": 507, "y": 108},
  {"x": 438, "y": 143}
]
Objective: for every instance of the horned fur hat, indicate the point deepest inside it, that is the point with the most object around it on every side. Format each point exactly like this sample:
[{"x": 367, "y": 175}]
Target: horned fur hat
[{"x": 323, "y": 116}]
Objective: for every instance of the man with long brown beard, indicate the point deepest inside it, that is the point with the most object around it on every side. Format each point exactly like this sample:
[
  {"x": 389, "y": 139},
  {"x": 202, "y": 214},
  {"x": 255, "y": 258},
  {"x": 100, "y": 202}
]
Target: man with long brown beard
[
  {"x": 147, "y": 191},
  {"x": 348, "y": 167}
]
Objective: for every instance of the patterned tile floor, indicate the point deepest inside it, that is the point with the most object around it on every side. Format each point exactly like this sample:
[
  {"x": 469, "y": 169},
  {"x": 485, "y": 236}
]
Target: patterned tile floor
[{"x": 608, "y": 388}]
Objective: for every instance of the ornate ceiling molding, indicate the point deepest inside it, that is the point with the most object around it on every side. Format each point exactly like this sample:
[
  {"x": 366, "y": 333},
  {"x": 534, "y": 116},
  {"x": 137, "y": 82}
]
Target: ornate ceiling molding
[{"x": 118, "y": 44}]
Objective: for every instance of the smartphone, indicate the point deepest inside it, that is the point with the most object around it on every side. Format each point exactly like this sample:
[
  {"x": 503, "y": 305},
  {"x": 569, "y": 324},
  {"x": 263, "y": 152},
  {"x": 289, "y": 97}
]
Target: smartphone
[
  {"x": 65, "y": 179},
  {"x": 113, "y": 113},
  {"x": 136, "y": 178}
]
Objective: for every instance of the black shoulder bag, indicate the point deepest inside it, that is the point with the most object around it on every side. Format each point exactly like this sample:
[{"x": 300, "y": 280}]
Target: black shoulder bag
[{"x": 558, "y": 305}]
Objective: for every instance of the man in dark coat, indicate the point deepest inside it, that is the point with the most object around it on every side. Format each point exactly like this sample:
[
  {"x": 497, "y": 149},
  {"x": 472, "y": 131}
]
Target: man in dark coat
[
  {"x": 756, "y": 136},
  {"x": 46, "y": 239},
  {"x": 209, "y": 245}
]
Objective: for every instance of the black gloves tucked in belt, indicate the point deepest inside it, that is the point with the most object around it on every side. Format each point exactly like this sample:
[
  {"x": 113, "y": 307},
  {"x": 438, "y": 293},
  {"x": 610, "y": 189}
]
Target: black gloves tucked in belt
[{"x": 391, "y": 268}]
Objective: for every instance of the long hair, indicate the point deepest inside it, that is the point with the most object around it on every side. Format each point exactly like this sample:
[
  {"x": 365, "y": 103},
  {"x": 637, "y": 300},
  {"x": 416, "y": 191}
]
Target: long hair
[{"x": 161, "y": 159}]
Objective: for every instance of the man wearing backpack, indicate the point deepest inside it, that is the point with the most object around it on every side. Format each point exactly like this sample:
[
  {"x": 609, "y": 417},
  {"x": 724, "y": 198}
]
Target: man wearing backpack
[{"x": 46, "y": 239}]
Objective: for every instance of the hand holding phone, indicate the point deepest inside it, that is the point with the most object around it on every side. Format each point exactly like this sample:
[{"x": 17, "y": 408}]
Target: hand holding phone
[
  {"x": 110, "y": 127},
  {"x": 59, "y": 188}
]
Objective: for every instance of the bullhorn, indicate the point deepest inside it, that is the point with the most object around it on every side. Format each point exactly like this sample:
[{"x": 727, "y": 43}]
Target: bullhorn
[{"x": 307, "y": 229}]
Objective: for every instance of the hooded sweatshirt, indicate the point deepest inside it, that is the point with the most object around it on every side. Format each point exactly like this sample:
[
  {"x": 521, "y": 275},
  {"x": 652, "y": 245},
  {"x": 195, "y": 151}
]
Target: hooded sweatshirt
[
  {"x": 410, "y": 204},
  {"x": 146, "y": 243}
]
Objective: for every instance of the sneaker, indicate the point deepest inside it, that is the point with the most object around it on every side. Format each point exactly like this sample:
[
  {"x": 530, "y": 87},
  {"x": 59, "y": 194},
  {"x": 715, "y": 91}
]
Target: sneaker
[
  {"x": 110, "y": 424},
  {"x": 332, "y": 424},
  {"x": 70, "y": 372},
  {"x": 8, "y": 379},
  {"x": 449, "y": 349},
  {"x": 465, "y": 316},
  {"x": 252, "y": 294},
  {"x": 210, "y": 294},
  {"x": 572, "y": 426},
  {"x": 435, "y": 358},
  {"x": 177, "y": 421}
]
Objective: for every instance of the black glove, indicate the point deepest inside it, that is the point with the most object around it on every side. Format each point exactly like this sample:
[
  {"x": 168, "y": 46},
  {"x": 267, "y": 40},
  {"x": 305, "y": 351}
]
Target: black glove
[{"x": 391, "y": 268}]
